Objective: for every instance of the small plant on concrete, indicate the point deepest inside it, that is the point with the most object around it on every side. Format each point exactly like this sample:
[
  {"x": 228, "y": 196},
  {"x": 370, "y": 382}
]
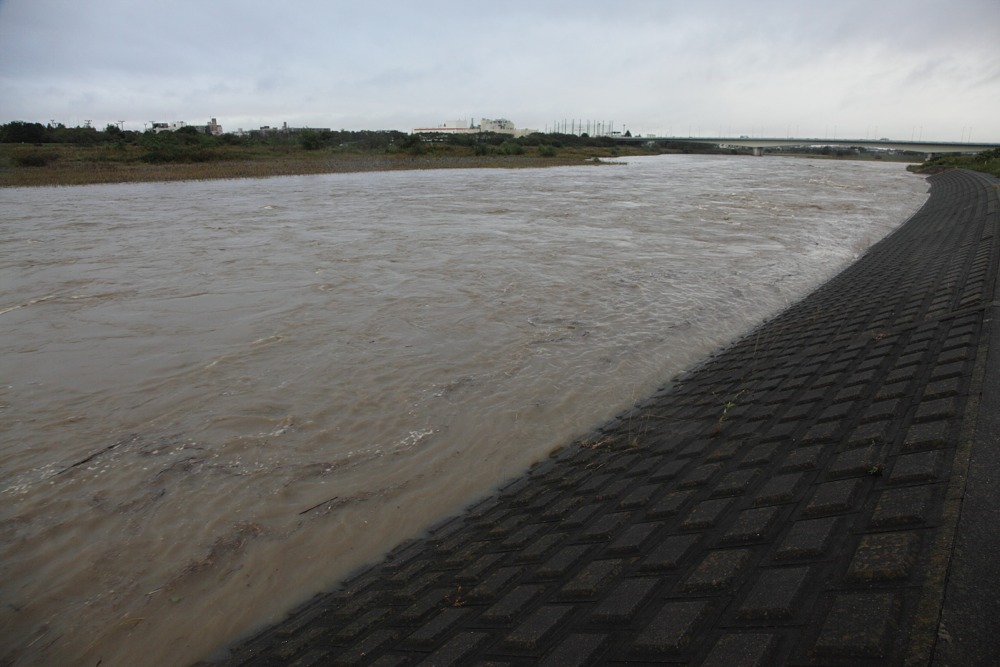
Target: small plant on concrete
[
  {"x": 455, "y": 599},
  {"x": 874, "y": 455},
  {"x": 603, "y": 441},
  {"x": 729, "y": 405}
]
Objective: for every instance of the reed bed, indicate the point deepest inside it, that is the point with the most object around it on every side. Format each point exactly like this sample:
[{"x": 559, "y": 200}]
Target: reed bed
[{"x": 62, "y": 165}]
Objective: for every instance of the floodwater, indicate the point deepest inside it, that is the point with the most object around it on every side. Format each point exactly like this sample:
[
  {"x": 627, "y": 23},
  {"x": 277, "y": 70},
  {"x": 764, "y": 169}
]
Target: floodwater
[{"x": 218, "y": 397}]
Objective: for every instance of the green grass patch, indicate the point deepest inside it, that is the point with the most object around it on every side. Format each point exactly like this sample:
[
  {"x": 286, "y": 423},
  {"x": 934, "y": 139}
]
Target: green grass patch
[{"x": 987, "y": 162}]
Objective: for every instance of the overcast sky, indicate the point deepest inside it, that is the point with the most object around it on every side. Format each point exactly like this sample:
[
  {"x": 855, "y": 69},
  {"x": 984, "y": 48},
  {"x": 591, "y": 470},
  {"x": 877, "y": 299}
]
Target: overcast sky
[{"x": 902, "y": 69}]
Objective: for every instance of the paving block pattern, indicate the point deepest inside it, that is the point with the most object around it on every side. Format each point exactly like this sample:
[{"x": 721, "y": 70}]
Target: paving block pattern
[{"x": 779, "y": 504}]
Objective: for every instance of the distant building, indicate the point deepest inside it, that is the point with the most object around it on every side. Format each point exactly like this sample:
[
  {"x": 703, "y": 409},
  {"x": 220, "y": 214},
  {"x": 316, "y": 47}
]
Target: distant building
[
  {"x": 449, "y": 127},
  {"x": 499, "y": 125},
  {"x": 212, "y": 128},
  {"x": 167, "y": 127},
  {"x": 267, "y": 130}
]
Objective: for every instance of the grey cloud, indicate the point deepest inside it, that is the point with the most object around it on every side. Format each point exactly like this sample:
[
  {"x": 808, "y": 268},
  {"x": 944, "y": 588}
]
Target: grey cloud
[{"x": 652, "y": 63}]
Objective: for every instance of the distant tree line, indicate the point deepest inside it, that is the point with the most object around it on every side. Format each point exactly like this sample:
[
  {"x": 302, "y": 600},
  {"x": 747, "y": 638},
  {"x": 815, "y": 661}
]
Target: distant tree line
[
  {"x": 188, "y": 144},
  {"x": 21, "y": 132}
]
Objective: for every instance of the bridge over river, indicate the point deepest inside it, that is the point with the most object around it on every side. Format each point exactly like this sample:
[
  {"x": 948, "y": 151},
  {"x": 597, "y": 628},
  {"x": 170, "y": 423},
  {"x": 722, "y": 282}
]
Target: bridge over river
[{"x": 759, "y": 144}]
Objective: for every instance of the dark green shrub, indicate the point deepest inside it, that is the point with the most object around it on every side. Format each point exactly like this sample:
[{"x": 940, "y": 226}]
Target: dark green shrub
[
  {"x": 311, "y": 140},
  {"x": 172, "y": 153},
  {"x": 511, "y": 148},
  {"x": 34, "y": 158}
]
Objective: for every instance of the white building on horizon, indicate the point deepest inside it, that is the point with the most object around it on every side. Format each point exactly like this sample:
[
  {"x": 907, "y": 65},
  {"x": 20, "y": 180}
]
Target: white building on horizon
[
  {"x": 450, "y": 127},
  {"x": 499, "y": 125}
]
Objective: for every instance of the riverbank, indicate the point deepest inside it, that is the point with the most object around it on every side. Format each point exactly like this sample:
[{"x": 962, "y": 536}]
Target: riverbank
[
  {"x": 28, "y": 165},
  {"x": 60, "y": 164}
]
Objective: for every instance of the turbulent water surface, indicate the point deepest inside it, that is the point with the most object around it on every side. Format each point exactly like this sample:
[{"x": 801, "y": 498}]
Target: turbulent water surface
[{"x": 218, "y": 397}]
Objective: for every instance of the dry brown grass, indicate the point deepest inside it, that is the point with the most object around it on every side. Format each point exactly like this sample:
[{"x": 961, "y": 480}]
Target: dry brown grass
[{"x": 71, "y": 165}]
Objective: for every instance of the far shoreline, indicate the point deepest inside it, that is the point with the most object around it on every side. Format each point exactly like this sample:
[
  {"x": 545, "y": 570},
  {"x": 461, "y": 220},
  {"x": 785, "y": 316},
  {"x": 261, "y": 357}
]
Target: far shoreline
[
  {"x": 67, "y": 165},
  {"x": 84, "y": 166}
]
